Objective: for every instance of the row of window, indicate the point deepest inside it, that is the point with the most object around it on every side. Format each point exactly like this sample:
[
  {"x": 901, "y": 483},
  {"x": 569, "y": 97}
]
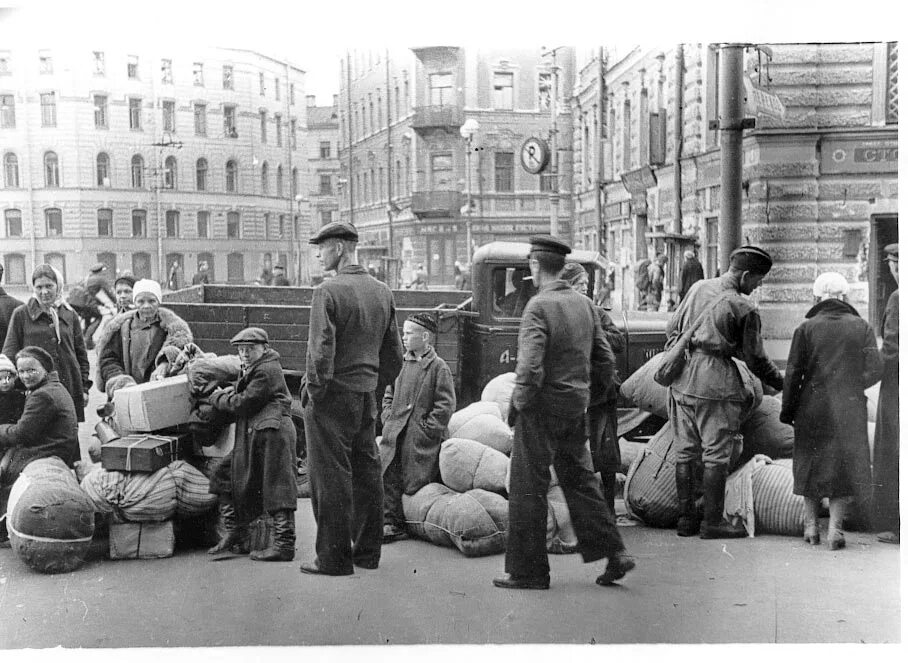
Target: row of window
[
  {"x": 99, "y": 67},
  {"x": 53, "y": 224},
  {"x": 169, "y": 179}
]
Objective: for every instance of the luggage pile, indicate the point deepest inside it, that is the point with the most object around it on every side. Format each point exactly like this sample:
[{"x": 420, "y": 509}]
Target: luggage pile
[{"x": 469, "y": 509}]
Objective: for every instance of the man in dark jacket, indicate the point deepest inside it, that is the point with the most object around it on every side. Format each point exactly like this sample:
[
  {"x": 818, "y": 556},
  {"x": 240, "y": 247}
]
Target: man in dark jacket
[
  {"x": 561, "y": 344},
  {"x": 709, "y": 398},
  {"x": 691, "y": 272},
  {"x": 886, "y": 438},
  {"x": 353, "y": 343},
  {"x": 8, "y": 304},
  {"x": 279, "y": 278}
]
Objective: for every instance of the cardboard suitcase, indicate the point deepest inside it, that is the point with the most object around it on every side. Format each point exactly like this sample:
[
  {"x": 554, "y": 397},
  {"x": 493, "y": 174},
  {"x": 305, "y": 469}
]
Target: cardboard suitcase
[
  {"x": 140, "y": 452},
  {"x": 153, "y": 406},
  {"x": 142, "y": 540}
]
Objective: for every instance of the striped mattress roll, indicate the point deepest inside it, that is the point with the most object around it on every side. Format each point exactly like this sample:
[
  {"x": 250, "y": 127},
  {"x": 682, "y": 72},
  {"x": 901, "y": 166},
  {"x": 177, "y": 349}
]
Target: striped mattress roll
[
  {"x": 133, "y": 496},
  {"x": 193, "y": 498},
  {"x": 776, "y": 508},
  {"x": 650, "y": 492}
]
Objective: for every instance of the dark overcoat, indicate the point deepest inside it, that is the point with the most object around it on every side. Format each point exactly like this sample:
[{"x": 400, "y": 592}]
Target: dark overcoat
[
  {"x": 833, "y": 359},
  {"x": 415, "y": 413},
  {"x": 263, "y": 460},
  {"x": 8, "y": 304},
  {"x": 32, "y": 326},
  {"x": 886, "y": 438}
]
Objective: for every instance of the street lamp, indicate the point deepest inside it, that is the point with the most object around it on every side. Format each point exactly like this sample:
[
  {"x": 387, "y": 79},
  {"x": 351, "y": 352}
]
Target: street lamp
[{"x": 468, "y": 131}]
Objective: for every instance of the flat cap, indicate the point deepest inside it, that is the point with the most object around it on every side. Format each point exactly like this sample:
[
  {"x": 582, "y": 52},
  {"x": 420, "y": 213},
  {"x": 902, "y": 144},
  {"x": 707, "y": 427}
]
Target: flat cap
[
  {"x": 250, "y": 336},
  {"x": 336, "y": 229},
  {"x": 892, "y": 252},
  {"x": 751, "y": 259},
  {"x": 97, "y": 267},
  {"x": 424, "y": 320},
  {"x": 549, "y": 244}
]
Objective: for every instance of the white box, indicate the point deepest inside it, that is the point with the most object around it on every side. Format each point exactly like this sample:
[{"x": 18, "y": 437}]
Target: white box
[{"x": 152, "y": 406}]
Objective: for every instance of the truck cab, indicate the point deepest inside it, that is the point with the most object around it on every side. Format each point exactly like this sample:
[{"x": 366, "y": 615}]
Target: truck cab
[{"x": 501, "y": 289}]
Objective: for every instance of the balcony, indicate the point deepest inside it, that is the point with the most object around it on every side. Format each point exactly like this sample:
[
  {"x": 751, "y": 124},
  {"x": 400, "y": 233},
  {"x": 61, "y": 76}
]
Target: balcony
[
  {"x": 426, "y": 204},
  {"x": 427, "y": 118}
]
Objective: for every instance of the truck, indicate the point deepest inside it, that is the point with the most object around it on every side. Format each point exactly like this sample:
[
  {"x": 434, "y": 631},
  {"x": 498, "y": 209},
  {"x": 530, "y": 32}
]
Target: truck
[{"x": 477, "y": 328}]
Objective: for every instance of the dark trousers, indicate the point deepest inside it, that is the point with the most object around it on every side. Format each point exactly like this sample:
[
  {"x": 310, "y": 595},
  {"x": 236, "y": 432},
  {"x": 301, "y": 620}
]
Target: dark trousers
[
  {"x": 345, "y": 475},
  {"x": 886, "y": 515},
  {"x": 393, "y": 483},
  {"x": 604, "y": 447},
  {"x": 542, "y": 439}
]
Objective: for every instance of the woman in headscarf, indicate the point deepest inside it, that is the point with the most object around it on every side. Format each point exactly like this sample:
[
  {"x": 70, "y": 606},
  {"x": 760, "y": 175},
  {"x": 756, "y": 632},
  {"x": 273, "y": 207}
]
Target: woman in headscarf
[
  {"x": 833, "y": 359},
  {"x": 48, "y": 322},
  {"x": 139, "y": 345},
  {"x": 46, "y": 428}
]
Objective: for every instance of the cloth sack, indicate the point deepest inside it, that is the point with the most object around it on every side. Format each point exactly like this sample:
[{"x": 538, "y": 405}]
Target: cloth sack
[
  {"x": 207, "y": 373},
  {"x": 132, "y": 497},
  {"x": 193, "y": 498},
  {"x": 488, "y": 429},
  {"x": 760, "y": 495},
  {"x": 650, "y": 493},
  {"x": 49, "y": 519},
  {"x": 498, "y": 391},
  {"x": 644, "y": 392},
  {"x": 467, "y": 464},
  {"x": 462, "y": 416},
  {"x": 764, "y": 434}
]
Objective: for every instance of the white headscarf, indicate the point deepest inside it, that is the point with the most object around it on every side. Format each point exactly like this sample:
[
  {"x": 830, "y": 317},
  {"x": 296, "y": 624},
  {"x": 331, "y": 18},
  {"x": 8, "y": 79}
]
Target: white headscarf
[{"x": 830, "y": 285}]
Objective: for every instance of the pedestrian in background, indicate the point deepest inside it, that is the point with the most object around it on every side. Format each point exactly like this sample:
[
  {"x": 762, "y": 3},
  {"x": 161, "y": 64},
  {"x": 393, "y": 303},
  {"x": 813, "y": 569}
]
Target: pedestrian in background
[
  {"x": 560, "y": 343},
  {"x": 709, "y": 398},
  {"x": 833, "y": 359},
  {"x": 89, "y": 297},
  {"x": 656, "y": 271},
  {"x": 8, "y": 304},
  {"x": 48, "y": 322},
  {"x": 279, "y": 278},
  {"x": 353, "y": 344},
  {"x": 886, "y": 438},
  {"x": 201, "y": 276},
  {"x": 175, "y": 278},
  {"x": 642, "y": 282},
  {"x": 267, "y": 275},
  {"x": 691, "y": 272},
  {"x": 459, "y": 278}
]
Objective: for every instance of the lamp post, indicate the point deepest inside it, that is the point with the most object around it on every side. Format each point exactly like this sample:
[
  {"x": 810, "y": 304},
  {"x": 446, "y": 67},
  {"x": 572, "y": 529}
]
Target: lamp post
[
  {"x": 166, "y": 141},
  {"x": 468, "y": 131},
  {"x": 553, "y": 141}
]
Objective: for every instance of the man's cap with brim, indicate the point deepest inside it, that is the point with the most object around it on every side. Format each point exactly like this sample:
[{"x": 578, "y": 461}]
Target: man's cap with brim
[
  {"x": 751, "y": 259},
  {"x": 250, "y": 336},
  {"x": 548, "y": 244},
  {"x": 336, "y": 230}
]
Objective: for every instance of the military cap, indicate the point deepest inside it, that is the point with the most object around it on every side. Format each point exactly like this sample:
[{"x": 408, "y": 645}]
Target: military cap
[
  {"x": 425, "y": 321},
  {"x": 97, "y": 267},
  {"x": 892, "y": 252},
  {"x": 751, "y": 259},
  {"x": 549, "y": 244},
  {"x": 250, "y": 336},
  {"x": 336, "y": 229}
]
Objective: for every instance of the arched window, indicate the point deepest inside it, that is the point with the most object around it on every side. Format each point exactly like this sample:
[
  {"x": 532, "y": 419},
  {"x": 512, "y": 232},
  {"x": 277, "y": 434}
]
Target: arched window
[
  {"x": 279, "y": 181},
  {"x": 141, "y": 265},
  {"x": 53, "y": 220},
  {"x": 231, "y": 176},
  {"x": 265, "y": 178},
  {"x": 14, "y": 273},
  {"x": 137, "y": 168},
  {"x": 51, "y": 170},
  {"x": 209, "y": 259},
  {"x": 109, "y": 260},
  {"x": 57, "y": 260},
  {"x": 201, "y": 175},
  {"x": 170, "y": 173},
  {"x": 103, "y": 169},
  {"x": 235, "y": 268},
  {"x": 13, "y": 222},
  {"x": 11, "y": 170}
]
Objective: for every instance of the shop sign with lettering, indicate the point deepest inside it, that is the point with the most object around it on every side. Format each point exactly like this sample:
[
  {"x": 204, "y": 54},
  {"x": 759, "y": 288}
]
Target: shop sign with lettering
[{"x": 859, "y": 156}]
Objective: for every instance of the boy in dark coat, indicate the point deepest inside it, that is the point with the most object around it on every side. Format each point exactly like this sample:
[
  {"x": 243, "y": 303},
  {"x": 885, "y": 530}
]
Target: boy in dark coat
[
  {"x": 262, "y": 465},
  {"x": 415, "y": 413},
  {"x": 12, "y": 396}
]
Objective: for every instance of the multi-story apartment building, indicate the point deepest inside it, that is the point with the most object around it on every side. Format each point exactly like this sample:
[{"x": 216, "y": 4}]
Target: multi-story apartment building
[
  {"x": 819, "y": 183},
  {"x": 404, "y": 159},
  {"x": 323, "y": 148},
  {"x": 144, "y": 159}
]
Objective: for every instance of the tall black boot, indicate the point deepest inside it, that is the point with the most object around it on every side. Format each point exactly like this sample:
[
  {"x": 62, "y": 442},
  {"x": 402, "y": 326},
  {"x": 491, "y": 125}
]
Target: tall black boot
[
  {"x": 282, "y": 548},
  {"x": 714, "y": 525},
  {"x": 684, "y": 482},
  {"x": 235, "y": 538}
]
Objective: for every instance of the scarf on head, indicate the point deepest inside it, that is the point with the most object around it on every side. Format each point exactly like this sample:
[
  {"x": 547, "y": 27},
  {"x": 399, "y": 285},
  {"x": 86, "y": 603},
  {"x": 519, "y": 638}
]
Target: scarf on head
[{"x": 53, "y": 309}]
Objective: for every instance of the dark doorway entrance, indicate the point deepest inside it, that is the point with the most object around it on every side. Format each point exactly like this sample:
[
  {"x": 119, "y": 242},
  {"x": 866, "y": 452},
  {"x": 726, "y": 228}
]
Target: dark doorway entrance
[{"x": 884, "y": 229}]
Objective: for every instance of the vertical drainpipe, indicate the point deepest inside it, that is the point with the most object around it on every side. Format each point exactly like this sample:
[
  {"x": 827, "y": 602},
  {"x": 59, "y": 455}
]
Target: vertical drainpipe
[{"x": 679, "y": 136}]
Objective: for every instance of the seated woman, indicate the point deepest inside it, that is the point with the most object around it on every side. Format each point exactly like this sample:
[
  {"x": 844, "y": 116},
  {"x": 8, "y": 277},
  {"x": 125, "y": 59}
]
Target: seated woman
[
  {"x": 139, "y": 345},
  {"x": 47, "y": 427}
]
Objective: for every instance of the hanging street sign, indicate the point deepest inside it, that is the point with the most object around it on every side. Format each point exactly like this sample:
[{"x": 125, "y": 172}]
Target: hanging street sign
[{"x": 762, "y": 102}]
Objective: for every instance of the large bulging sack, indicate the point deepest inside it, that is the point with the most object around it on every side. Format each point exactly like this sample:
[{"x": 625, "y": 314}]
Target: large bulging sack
[
  {"x": 207, "y": 373},
  {"x": 462, "y": 416},
  {"x": 629, "y": 453},
  {"x": 649, "y": 492},
  {"x": 467, "y": 464},
  {"x": 498, "y": 391},
  {"x": 765, "y": 434},
  {"x": 193, "y": 498},
  {"x": 132, "y": 497},
  {"x": 760, "y": 496},
  {"x": 475, "y": 522},
  {"x": 487, "y": 429},
  {"x": 644, "y": 392},
  {"x": 49, "y": 519}
]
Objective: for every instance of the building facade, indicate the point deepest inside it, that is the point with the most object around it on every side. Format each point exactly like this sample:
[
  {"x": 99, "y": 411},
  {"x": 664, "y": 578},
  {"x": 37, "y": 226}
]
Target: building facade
[
  {"x": 408, "y": 172},
  {"x": 819, "y": 183},
  {"x": 323, "y": 150},
  {"x": 144, "y": 161}
]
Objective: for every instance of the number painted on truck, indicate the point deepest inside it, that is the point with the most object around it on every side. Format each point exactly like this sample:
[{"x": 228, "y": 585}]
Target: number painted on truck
[{"x": 506, "y": 357}]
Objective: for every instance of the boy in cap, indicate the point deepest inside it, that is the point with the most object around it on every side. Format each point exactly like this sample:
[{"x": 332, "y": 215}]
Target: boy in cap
[
  {"x": 262, "y": 465},
  {"x": 561, "y": 344},
  {"x": 709, "y": 399},
  {"x": 415, "y": 413}
]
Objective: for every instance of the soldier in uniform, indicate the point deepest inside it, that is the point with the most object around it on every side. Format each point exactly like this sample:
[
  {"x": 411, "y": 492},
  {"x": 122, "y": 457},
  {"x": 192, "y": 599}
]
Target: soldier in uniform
[
  {"x": 561, "y": 342},
  {"x": 353, "y": 342},
  {"x": 709, "y": 397}
]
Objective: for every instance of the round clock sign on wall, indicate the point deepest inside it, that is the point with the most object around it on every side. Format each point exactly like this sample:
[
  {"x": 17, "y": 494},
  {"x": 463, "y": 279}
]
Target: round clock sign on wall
[{"x": 534, "y": 155}]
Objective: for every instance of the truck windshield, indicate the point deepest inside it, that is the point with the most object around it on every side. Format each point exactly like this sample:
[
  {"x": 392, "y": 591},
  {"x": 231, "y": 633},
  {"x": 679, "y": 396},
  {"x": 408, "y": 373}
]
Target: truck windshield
[{"x": 512, "y": 288}]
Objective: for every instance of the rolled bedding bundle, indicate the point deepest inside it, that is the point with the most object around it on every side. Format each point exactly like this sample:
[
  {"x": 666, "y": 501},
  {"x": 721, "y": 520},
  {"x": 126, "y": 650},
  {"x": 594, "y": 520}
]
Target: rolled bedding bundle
[
  {"x": 132, "y": 496},
  {"x": 498, "y": 391},
  {"x": 488, "y": 429},
  {"x": 193, "y": 498},
  {"x": 209, "y": 372},
  {"x": 463, "y": 415},
  {"x": 467, "y": 464}
]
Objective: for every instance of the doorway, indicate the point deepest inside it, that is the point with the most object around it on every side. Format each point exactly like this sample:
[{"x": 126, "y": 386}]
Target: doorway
[{"x": 884, "y": 230}]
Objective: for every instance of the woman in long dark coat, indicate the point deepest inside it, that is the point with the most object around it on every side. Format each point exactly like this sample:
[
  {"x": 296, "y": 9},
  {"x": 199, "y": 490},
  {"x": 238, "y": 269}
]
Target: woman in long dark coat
[
  {"x": 833, "y": 359},
  {"x": 49, "y": 323}
]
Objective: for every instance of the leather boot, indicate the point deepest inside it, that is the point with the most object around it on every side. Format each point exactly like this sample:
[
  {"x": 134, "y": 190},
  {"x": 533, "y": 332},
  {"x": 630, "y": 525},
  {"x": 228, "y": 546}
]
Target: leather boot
[
  {"x": 684, "y": 482},
  {"x": 283, "y": 546},
  {"x": 714, "y": 525},
  {"x": 234, "y": 539},
  {"x": 836, "y": 537},
  {"x": 811, "y": 514}
]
